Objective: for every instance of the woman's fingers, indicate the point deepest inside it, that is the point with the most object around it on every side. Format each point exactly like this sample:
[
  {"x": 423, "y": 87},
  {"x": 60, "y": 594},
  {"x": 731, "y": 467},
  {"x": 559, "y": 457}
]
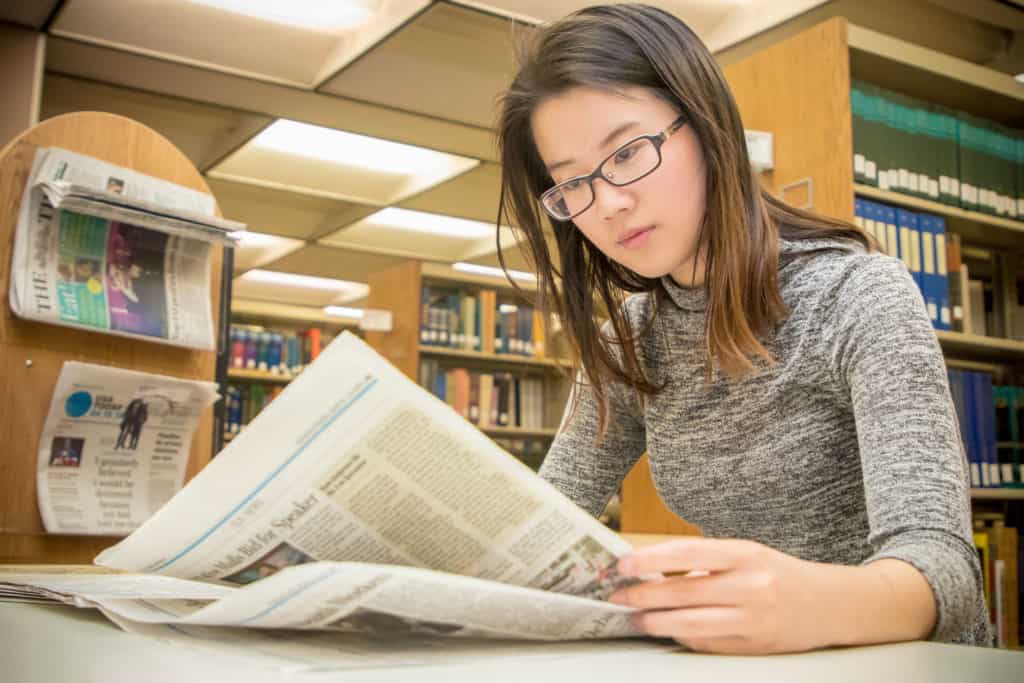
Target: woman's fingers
[
  {"x": 694, "y": 624},
  {"x": 689, "y": 554},
  {"x": 720, "y": 589}
]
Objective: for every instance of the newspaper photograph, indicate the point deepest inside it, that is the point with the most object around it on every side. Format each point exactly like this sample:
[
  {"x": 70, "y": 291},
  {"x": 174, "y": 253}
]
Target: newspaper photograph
[
  {"x": 82, "y": 260},
  {"x": 359, "y": 502},
  {"x": 114, "y": 447}
]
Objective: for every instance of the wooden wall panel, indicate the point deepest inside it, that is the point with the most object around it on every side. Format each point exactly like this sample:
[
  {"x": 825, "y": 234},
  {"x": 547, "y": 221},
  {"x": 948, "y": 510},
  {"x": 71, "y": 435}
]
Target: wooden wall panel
[
  {"x": 799, "y": 90},
  {"x": 397, "y": 289}
]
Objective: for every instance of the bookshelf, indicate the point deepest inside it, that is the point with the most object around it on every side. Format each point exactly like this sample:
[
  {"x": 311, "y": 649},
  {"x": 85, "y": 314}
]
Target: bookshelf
[
  {"x": 490, "y": 358},
  {"x": 243, "y": 375},
  {"x": 248, "y": 390},
  {"x": 972, "y": 225},
  {"x": 1007, "y": 350},
  {"x": 390, "y": 290},
  {"x": 997, "y": 494}
]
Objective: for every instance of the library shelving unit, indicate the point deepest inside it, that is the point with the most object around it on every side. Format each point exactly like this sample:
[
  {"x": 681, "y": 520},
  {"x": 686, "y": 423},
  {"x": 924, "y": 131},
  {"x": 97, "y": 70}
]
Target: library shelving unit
[
  {"x": 282, "y": 318},
  {"x": 398, "y": 289},
  {"x": 32, "y": 353},
  {"x": 798, "y": 89}
]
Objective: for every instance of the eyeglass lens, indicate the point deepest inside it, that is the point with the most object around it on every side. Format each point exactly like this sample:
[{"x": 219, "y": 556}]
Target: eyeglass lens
[{"x": 627, "y": 164}]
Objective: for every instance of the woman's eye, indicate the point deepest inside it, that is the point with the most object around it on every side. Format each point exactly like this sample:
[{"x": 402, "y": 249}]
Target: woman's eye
[
  {"x": 572, "y": 185},
  {"x": 625, "y": 154}
]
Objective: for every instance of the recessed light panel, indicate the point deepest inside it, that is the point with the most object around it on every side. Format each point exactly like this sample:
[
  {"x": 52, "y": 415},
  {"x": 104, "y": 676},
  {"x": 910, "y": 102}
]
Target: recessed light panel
[{"x": 301, "y": 157}]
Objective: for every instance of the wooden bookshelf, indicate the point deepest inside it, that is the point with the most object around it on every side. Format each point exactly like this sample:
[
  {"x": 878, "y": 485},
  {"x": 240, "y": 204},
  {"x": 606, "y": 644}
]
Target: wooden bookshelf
[
  {"x": 519, "y": 432},
  {"x": 979, "y": 346},
  {"x": 243, "y": 375},
  {"x": 496, "y": 358},
  {"x": 444, "y": 273},
  {"x": 268, "y": 310},
  {"x": 997, "y": 494},
  {"x": 393, "y": 289},
  {"x": 931, "y": 75},
  {"x": 971, "y": 225}
]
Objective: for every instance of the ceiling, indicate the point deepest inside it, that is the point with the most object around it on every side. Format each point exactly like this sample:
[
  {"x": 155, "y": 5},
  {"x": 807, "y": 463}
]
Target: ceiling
[{"x": 423, "y": 73}]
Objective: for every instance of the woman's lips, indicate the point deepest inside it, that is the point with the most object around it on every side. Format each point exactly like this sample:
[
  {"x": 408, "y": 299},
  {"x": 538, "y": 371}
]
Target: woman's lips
[{"x": 636, "y": 237}]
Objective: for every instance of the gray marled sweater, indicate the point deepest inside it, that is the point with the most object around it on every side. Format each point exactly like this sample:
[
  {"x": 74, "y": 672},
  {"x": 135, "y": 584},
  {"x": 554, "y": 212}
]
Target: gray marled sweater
[{"x": 846, "y": 450}]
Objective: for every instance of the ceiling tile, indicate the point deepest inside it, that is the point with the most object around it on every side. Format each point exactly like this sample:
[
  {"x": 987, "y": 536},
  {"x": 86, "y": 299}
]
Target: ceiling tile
[
  {"x": 450, "y": 62},
  {"x": 343, "y": 264},
  {"x": 288, "y": 293},
  {"x": 30, "y": 13},
  {"x": 700, "y": 15},
  {"x": 277, "y": 212},
  {"x": 228, "y": 41},
  {"x": 473, "y": 194},
  {"x": 255, "y": 249},
  {"x": 338, "y": 165},
  {"x": 408, "y": 243},
  {"x": 197, "y": 130}
]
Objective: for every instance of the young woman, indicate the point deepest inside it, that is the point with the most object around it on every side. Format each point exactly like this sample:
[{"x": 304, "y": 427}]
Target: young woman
[{"x": 782, "y": 375}]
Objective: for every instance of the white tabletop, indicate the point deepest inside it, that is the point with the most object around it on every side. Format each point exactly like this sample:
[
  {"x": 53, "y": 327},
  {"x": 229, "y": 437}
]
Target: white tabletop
[{"x": 47, "y": 644}]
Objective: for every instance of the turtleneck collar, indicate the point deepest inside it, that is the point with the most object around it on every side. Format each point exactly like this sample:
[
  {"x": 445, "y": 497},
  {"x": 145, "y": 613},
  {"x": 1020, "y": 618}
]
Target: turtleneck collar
[{"x": 687, "y": 298}]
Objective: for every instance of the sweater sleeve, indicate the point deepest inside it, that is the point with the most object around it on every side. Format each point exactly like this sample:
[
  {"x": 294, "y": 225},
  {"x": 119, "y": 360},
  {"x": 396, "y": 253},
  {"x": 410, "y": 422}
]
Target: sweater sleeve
[
  {"x": 588, "y": 470},
  {"x": 915, "y": 472}
]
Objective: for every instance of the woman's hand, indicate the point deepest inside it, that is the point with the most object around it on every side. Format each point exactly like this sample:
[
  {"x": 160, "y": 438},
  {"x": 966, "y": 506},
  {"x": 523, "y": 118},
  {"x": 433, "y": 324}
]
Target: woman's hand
[{"x": 744, "y": 597}]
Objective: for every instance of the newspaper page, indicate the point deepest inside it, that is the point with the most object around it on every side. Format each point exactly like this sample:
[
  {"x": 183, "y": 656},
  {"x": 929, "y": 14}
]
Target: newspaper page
[
  {"x": 386, "y": 600},
  {"x": 354, "y": 462},
  {"x": 114, "y": 447},
  {"x": 76, "y": 268}
]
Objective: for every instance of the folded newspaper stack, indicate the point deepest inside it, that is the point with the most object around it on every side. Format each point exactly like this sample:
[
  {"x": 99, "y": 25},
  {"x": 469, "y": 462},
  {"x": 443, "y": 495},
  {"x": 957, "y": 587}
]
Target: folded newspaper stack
[
  {"x": 107, "y": 248},
  {"x": 357, "y": 501}
]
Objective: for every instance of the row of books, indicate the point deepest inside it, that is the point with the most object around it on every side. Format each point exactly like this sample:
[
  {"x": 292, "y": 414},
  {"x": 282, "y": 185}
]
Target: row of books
[
  {"x": 477, "y": 321},
  {"x": 991, "y": 425},
  {"x": 997, "y": 542},
  {"x": 906, "y": 145},
  {"x": 487, "y": 399},
  {"x": 919, "y": 240},
  {"x": 255, "y": 348},
  {"x": 244, "y": 402}
]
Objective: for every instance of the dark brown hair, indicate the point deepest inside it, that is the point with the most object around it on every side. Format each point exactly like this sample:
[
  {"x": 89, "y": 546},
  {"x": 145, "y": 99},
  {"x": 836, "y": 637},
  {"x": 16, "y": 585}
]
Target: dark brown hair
[{"x": 613, "y": 47}]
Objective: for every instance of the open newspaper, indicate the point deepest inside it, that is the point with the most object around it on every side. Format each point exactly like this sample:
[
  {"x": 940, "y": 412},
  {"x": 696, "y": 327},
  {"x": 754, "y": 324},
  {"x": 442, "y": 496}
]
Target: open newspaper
[
  {"x": 357, "y": 501},
  {"x": 106, "y": 248}
]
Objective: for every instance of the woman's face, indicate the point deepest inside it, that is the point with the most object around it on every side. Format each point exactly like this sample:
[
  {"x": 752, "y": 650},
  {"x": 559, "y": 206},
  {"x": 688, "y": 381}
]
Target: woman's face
[{"x": 650, "y": 226}]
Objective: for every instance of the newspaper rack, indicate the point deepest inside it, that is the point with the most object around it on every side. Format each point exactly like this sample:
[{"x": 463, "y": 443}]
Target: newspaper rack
[{"x": 32, "y": 353}]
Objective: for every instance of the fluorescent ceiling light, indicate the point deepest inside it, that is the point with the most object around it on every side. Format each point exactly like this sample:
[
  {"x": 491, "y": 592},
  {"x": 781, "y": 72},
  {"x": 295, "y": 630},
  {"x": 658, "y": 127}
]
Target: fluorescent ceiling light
[
  {"x": 434, "y": 223},
  {"x": 318, "y": 15},
  {"x": 343, "y": 311},
  {"x": 305, "y": 281},
  {"x": 507, "y": 308},
  {"x": 349, "y": 149},
  {"x": 493, "y": 272}
]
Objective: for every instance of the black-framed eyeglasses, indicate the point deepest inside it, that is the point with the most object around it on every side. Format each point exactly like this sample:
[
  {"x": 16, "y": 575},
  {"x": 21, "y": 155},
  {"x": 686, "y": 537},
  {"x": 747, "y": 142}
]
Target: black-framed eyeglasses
[{"x": 632, "y": 161}]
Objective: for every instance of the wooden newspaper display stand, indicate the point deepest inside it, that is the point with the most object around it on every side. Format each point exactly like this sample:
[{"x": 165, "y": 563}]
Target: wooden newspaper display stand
[{"x": 32, "y": 353}]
